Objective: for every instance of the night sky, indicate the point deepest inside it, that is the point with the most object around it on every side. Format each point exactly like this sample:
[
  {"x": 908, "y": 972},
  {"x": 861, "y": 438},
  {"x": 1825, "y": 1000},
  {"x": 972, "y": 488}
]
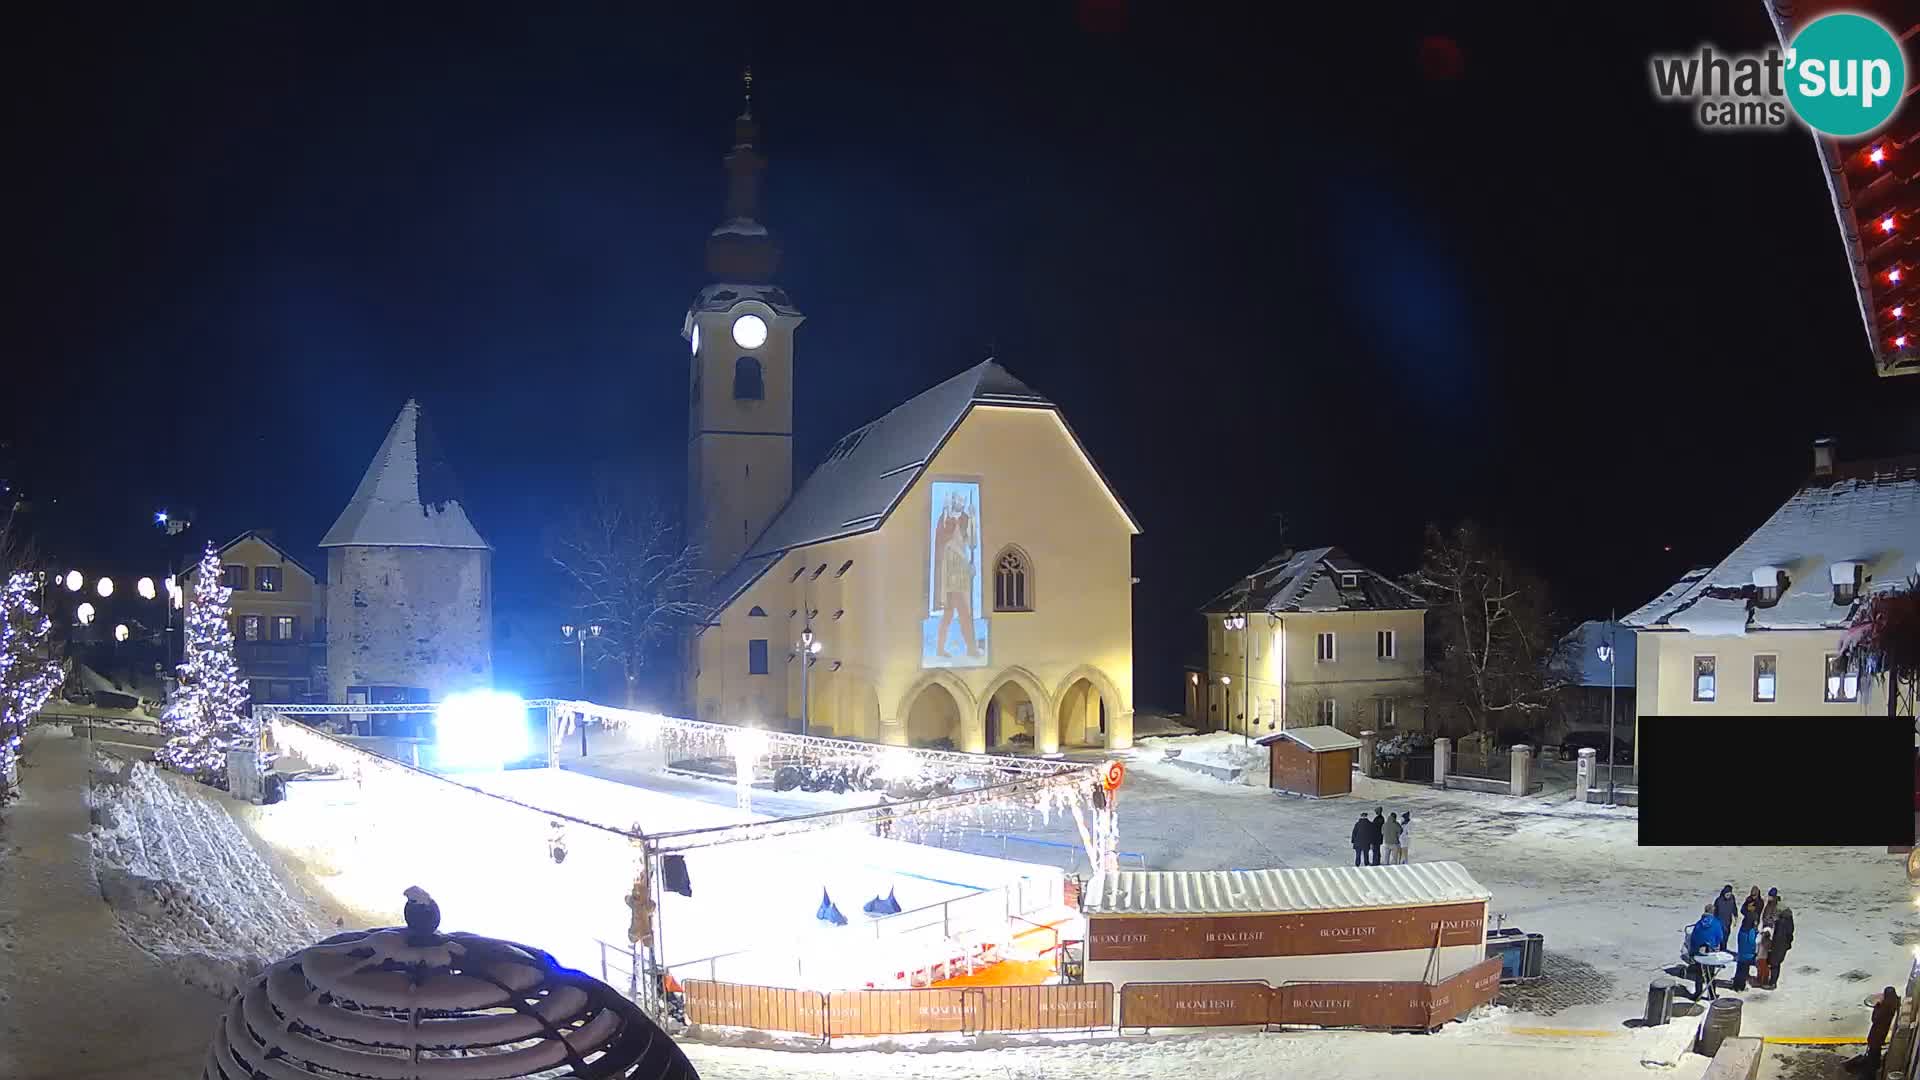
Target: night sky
[{"x": 1333, "y": 270}]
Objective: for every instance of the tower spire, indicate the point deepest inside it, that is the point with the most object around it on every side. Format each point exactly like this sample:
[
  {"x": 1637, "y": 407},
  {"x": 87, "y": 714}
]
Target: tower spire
[{"x": 740, "y": 248}]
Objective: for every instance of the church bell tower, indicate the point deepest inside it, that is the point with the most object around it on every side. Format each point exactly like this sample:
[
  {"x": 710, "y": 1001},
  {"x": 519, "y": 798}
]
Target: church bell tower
[{"x": 740, "y": 334}]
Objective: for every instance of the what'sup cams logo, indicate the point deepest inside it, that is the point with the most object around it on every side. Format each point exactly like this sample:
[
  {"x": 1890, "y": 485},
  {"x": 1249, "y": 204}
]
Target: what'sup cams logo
[{"x": 1842, "y": 75}]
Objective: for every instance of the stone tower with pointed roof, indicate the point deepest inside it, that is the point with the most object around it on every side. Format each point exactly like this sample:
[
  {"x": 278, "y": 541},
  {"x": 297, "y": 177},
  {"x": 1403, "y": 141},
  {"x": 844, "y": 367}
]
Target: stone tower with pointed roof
[
  {"x": 409, "y": 598},
  {"x": 740, "y": 333}
]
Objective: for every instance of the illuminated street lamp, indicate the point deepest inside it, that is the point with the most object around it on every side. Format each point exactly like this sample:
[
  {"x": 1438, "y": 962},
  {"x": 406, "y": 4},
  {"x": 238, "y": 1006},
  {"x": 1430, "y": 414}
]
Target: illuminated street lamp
[
  {"x": 1607, "y": 657},
  {"x": 577, "y": 636},
  {"x": 74, "y": 581},
  {"x": 145, "y": 588},
  {"x": 84, "y": 613},
  {"x": 120, "y": 632},
  {"x": 105, "y": 588},
  {"x": 810, "y": 647}
]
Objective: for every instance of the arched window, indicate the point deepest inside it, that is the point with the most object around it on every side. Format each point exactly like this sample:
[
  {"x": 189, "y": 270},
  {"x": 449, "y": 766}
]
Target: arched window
[
  {"x": 747, "y": 383},
  {"x": 1012, "y": 581}
]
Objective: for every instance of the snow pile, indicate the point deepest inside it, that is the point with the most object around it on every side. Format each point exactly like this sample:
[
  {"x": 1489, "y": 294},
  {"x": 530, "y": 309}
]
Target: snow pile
[
  {"x": 187, "y": 885},
  {"x": 1219, "y": 749}
]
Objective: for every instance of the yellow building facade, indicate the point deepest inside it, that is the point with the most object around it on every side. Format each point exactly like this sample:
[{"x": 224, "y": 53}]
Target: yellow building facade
[
  {"x": 1760, "y": 632},
  {"x": 1310, "y": 638},
  {"x": 277, "y": 612},
  {"x": 957, "y": 573}
]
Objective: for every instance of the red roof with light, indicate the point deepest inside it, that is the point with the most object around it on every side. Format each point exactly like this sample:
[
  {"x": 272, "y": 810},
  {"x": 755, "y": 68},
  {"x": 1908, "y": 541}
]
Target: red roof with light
[{"x": 1875, "y": 183}]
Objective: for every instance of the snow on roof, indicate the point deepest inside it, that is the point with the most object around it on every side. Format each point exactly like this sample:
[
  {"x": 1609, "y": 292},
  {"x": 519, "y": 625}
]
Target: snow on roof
[
  {"x": 722, "y": 297},
  {"x": 1316, "y": 738},
  {"x": 1866, "y": 512},
  {"x": 1583, "y": 653},
  {"x": 871, "y": 468},
  {"x": 1324, "y": 888},
  {"x": 1314, "y": 580},
  {"x": 739, "y": 227},
  {"x": 408, "y": 497}
]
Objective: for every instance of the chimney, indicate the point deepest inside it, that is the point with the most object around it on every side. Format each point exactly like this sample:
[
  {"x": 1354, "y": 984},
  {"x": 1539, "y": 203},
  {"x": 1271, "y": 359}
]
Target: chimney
[{"x": 1822, "y": 458}]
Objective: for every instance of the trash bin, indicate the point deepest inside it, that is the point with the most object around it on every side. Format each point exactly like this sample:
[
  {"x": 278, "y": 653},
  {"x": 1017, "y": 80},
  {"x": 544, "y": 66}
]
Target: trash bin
[
  {"x": 1722, "y": 1023},
  {"x": 1660, "y": 994},
  {"x": 1512, "y": 953},
  {"x": 1533, "y": 956}
]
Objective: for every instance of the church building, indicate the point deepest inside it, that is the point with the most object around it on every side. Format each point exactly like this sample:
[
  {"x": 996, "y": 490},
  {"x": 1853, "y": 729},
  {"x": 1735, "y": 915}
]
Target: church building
[{"x": 956, "y": 573}]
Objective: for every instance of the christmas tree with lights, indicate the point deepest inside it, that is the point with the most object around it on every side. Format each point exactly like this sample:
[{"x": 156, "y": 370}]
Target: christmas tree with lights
[
  {"x": 29, "y": 671},
  {"x": 207, "y": 712}
]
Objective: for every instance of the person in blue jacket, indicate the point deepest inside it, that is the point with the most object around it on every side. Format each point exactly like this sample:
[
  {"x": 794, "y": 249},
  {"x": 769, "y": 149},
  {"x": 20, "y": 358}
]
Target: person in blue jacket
[
  {"x": 1747, "y": 952},
  {"x": 1706, "y": 936}
]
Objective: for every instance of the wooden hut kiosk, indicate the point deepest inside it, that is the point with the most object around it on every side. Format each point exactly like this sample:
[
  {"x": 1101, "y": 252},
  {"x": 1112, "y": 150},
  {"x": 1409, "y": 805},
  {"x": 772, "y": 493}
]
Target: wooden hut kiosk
[
  {"x": 1313, "y": 761},
  {"x": 1346, "y": 946}
]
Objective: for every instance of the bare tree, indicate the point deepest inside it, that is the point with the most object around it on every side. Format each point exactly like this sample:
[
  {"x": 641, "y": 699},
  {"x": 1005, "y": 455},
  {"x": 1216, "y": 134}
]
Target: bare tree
[
  {"x": 633, "y": 574},
  {"x": 1494, "y": 656}
]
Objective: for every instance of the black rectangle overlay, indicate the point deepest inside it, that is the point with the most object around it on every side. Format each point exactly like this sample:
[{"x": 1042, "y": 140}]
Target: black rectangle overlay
[{"x": 1758, "y": 781}]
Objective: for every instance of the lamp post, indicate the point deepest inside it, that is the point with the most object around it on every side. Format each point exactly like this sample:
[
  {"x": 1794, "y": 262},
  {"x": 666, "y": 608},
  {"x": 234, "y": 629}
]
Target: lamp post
[
  {"x": 1607, "y": 654},
  {"x": 809, "y": 648},
  {"x": 1226, "y": 699},
  {"x": 577, "y": 636}
]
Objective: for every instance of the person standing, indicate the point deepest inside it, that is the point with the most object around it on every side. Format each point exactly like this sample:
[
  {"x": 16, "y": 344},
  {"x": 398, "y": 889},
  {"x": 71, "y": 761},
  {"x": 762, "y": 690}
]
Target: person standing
[
  {"x": 1406, "y": 834},
  {"x": 1884, "y": 1011},
  {"x": 1705, "y": 937},
  {"x": 1392, "y": 834},
  {"x": 1745, "y": 953},
  {"x": 1378, "y": 834},
  {"x": 1751, "y": 907},
  {"x": 1777, "y": 949},
  {"x": 1362, "y": 838},
  {"x": 1768, "y": 912},
  {"x": 1724, "y": 909}
]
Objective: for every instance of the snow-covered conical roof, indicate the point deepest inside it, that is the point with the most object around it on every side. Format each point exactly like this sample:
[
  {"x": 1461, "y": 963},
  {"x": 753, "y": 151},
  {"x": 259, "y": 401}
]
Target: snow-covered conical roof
[{"x": 408, "y": 497}]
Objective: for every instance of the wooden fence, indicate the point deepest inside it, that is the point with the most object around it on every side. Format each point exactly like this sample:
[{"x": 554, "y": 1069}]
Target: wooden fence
[
  {"x": 969, "y": 1010},
  {"x": 1404, "y": 1006}
]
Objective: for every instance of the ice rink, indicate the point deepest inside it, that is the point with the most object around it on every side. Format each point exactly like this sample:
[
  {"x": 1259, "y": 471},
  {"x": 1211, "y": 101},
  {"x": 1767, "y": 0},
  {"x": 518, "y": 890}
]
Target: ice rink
[{"x": 752, "y": 913}]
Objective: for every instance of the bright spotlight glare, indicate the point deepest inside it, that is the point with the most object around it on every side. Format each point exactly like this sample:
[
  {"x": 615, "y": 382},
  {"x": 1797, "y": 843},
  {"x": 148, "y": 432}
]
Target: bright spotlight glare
[
  {"x": 145, "y": 588},
  {"x": 105, "y": 587},
  {"x": 74, "y": 581},
  {"x": 85, "y": 613},
  {"x": 120, "y": 632},
  {"x": 481, "y": 729},
  {"x": 897, "y": 765}
]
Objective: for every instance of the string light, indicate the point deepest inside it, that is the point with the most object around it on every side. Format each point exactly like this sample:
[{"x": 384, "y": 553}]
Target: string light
[
  {"x": 206, "y": 714},
  {"x": 1886, "y": 224},
  {"x": 1893, "y": 276},
  {"x": 1899, "y": 311},
  {"x": 27, "y": 677},
  {"x": 1900, "y": 342},
  {"x": 1877, "y": 155}
]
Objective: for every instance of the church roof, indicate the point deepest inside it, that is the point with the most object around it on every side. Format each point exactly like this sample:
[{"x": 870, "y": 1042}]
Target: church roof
[
  {"x": 1313, "y": 581},
  {"x": 408, "y": 498},
  {"x": 871, "y": 468}
]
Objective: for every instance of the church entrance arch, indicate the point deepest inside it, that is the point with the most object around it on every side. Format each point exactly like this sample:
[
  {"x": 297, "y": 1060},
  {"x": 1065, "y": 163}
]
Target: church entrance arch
[
  {"x": 1087, "y": 705},
  {"x": 1018, "y": 715},
  {"x": 934, "y": 719}
]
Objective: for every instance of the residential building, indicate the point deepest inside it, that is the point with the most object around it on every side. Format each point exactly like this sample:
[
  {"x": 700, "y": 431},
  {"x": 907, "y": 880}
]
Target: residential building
[
  {"x": 1312, "y": 637},
  {"x": 955, "y": 573},
  {"x": 1601, "y": 687},
  {"x": 1760, "y": 632},
  {"x": 277, "y": 608},
  {"x": 409, "y": 594}
]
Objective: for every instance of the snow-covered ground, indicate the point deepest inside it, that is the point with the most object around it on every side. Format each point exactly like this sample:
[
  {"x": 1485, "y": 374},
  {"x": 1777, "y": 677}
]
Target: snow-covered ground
[
  {"x": 1611, "y": 913},
  {"x": 187, "y": 884}
]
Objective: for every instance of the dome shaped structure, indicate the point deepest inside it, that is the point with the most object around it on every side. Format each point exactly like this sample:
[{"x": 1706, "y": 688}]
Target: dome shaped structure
[{"x": 415, "y": 1004}]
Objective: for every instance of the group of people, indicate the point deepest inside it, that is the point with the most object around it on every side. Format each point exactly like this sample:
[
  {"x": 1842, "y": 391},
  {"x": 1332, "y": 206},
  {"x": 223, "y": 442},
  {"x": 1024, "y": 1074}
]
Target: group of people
[
  {"x": 1765, "y": 935},
  {"x": 1381, "y": 831}
]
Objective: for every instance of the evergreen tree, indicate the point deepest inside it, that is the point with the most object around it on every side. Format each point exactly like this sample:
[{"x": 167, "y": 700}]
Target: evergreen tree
[
  {"x": 207, "y": 712},
  {"x": 29, "y": 671}
]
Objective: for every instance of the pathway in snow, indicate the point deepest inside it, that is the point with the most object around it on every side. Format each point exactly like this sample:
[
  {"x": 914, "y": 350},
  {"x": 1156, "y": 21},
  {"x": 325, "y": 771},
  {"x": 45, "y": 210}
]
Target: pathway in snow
[{"x": 77, "y": 998}]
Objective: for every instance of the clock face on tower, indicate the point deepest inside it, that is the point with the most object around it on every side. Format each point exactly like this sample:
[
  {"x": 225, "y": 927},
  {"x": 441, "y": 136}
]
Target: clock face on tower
[
  {"x": 694, "y": 339},
  {"x": 749, "y": 331}
]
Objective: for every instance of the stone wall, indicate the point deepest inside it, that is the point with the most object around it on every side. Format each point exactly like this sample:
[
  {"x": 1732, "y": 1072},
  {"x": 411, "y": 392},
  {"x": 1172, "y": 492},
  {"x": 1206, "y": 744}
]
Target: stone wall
[{"x": 400, "y": 616}]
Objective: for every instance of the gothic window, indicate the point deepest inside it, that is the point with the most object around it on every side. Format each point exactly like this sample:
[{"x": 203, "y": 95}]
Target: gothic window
[
  {"x": 747, "y": 382},
  {"x": 1012, "y": 581}
]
